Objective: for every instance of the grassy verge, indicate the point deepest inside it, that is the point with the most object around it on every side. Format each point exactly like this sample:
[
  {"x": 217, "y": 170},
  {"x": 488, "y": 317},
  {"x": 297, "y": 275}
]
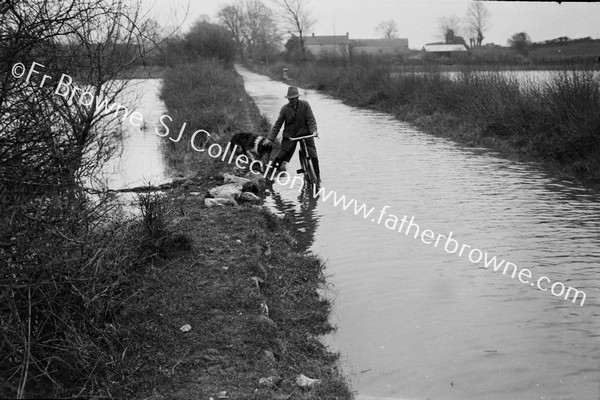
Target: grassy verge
[
  {"x": 239, "y": 259},
  {"x": 557, "y": 123},
  {"x": 205, "y": 96}
]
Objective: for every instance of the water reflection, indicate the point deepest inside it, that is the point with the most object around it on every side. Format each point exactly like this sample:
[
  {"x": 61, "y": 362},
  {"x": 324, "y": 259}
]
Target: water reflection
[{"x": 302, "y": 213}]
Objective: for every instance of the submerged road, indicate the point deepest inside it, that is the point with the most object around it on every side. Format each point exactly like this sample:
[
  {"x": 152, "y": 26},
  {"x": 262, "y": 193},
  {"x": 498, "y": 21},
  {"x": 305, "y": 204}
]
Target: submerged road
[{"x": 418, "y": 321}]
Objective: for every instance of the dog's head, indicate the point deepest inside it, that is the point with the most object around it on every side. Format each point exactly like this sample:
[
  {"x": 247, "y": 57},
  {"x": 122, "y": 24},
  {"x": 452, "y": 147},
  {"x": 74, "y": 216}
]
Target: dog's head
[{"x": 265, "y": 147}]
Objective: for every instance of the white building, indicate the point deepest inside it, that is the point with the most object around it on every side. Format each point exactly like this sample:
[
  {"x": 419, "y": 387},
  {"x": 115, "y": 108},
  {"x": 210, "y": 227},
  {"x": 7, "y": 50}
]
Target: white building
[
  {"x": 379, "y": 46},
  {"x": 327, "y": 45}
]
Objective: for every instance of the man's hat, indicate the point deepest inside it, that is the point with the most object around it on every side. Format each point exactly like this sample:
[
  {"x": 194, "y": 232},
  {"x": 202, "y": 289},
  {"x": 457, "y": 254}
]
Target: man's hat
[{"x": 292, "y": 92}]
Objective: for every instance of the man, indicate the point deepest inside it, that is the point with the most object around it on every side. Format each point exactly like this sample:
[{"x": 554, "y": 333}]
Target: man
[{"x": 299, "y": 121}]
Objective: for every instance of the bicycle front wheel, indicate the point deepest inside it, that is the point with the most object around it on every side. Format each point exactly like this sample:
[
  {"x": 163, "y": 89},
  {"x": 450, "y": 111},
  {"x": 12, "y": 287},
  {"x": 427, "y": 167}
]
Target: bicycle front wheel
[{"x": 309, "y": 172}]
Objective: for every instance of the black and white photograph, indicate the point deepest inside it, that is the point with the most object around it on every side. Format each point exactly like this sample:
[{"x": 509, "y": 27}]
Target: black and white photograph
[{"x": 299, "y": 199}]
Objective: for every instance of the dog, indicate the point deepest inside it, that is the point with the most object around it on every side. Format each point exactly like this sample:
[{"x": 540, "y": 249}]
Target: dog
[{"x": 253, "y": 146}]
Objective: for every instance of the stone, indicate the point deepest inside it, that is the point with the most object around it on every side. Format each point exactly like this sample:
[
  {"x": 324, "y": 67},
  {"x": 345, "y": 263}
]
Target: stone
[
  {"x": 251, "y": 198},
  {"x": 219, "y": 202},
  {"x": 230, "y": 178},
  {"x": 233, "y": 190},
  {"x": 269, "y": 382},
  {"x": 305, "y": 382},
  {"x": 269, "y": 355}
]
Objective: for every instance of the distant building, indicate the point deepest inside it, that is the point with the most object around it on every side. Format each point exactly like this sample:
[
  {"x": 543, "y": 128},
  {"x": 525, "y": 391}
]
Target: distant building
[
  {"x": 442, "y": 49},
  {"x": 328, "y": 45},
  {"x": 379, "y": 46}
]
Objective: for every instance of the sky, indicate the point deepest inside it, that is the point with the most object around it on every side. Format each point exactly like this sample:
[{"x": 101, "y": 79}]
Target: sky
[{"x": 417, "y": 20}]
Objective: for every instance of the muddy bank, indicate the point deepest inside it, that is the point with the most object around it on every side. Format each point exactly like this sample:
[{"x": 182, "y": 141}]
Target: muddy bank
[{"x": 252, "y": 307}]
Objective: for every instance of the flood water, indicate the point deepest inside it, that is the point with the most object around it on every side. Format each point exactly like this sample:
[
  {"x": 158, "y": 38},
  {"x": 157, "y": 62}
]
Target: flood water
[
  {"x": 140, "y": 162},
  {"x": 415, "y": 322}
]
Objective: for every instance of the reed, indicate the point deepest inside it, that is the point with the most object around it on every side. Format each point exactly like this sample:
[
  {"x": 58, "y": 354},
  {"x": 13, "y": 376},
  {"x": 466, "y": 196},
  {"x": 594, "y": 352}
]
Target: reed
[{"x": 556, "y": 123}]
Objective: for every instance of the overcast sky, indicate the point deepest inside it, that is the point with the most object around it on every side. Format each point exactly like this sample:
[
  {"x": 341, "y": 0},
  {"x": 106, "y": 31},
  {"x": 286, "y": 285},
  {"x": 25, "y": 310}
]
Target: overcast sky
[{"x": 417, "y": 20}]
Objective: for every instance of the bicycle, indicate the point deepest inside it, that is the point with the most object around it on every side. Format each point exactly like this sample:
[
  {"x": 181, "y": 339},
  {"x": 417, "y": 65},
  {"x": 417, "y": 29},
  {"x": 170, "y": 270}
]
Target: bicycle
[{"x": 307, "y": 167}]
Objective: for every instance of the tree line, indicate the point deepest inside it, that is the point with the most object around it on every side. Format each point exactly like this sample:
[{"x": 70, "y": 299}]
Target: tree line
[{"x": 247, "y": 29}]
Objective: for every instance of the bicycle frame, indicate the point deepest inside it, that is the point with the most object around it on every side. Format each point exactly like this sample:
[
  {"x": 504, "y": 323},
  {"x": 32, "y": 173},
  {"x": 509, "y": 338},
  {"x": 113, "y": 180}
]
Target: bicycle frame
[{"x": 308, "y": 168}]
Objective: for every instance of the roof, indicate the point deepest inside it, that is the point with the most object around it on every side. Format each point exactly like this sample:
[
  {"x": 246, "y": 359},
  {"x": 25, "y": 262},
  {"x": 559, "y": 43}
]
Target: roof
[
  {"x": 380, "y": 42},
  {"x": 439, "y": 48},
  {"x": 317, "y": 40}
]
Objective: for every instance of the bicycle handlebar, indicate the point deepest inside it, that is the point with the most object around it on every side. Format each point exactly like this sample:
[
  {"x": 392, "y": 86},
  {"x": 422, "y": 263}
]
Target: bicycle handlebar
[{"x": 303, "y": 137}]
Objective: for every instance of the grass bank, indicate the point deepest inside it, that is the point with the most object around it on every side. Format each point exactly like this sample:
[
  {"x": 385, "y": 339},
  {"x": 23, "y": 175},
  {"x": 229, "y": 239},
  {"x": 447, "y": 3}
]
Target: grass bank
[
  {"x": 556, "y": 123},
  {"x": 239, "y": 260}
]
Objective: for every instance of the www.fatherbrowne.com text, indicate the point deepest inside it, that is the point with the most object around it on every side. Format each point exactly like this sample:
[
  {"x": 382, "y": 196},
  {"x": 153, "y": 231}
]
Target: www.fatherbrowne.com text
[
  {"x": 408, "y": 227},
  {"x": 404, "y": 225}
]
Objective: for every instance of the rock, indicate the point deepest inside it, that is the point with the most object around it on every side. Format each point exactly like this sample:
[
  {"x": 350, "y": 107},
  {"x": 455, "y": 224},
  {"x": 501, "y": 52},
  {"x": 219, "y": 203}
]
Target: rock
[
  {"x": 269, "y": 355},
  {"x": 251, "y": 198},
  {"x": 228, "y": 190},
  {"x": 230, "y": 178},
  {"x": 257, "y": 281},
  {"x": 264, "y": 309},
  {"x": 269, "y": 382},
  {"x": 186, "y": 328},
  {"x": 219, "y": 202},
  {"x": 306, "y": 382}
]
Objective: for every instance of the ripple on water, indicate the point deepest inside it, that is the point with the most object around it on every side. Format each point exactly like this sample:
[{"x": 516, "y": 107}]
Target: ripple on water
[{"x": 428, "y": 324}]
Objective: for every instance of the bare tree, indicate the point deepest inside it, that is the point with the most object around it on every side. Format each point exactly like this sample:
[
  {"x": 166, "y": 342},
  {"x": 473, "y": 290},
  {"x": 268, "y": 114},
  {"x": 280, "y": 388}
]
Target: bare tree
[
  {"x": 258, "y": 25},
  {"x": 478, "y": 20},
  {"x": 296, "y": 17},
  {"x": 232, "y": 16},
  {"x": 387, "y": 29},
  {"x": 252, "y": 27},
  {"x": 449, "y": 26},
  {"x": 55, "y": 294}
]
